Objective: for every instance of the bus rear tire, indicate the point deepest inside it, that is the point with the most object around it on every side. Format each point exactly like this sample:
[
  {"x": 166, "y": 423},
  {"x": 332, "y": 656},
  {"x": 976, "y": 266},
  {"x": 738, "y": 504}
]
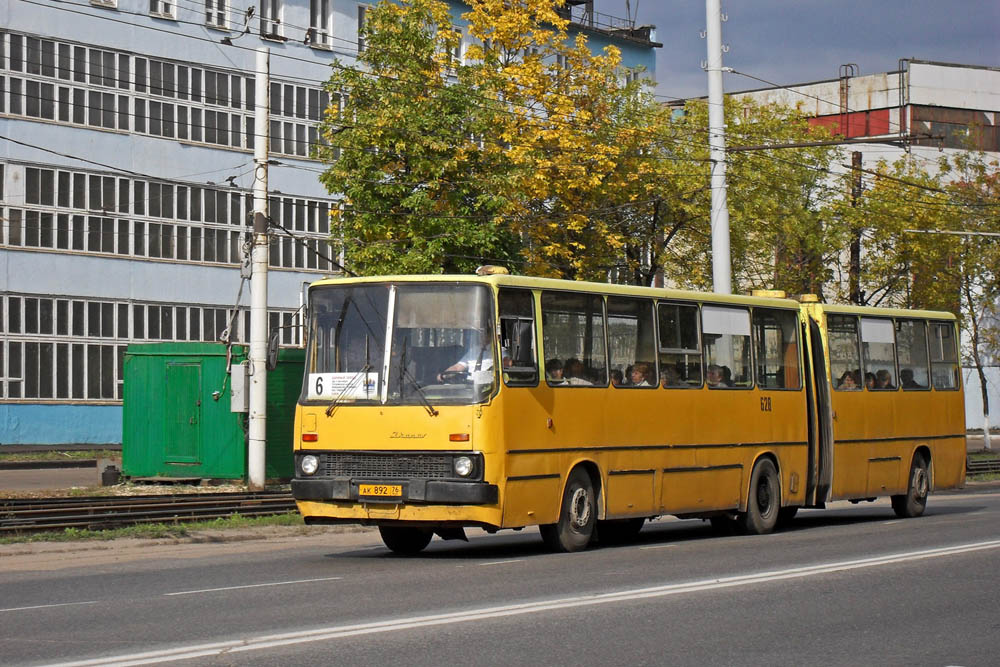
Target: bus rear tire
[
  {"x": 912, "y": 503},
  {"x": 577, "y": 516},
  {"x": 405, "y": 540},
  {"x": 764, "y": 500}
]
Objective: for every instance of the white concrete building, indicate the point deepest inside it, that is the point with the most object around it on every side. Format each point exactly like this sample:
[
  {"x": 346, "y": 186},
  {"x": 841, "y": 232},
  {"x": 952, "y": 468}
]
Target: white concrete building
[{"x": 126, "y": 147}]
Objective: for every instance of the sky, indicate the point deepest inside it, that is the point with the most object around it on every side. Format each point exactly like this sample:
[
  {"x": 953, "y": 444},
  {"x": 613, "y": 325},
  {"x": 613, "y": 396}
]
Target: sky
[{"x": 798, "y": 41}]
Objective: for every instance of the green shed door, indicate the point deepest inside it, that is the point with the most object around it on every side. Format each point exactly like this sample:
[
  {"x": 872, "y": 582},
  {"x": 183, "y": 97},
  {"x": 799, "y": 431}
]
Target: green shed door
[{"x": 183, "y": 413}]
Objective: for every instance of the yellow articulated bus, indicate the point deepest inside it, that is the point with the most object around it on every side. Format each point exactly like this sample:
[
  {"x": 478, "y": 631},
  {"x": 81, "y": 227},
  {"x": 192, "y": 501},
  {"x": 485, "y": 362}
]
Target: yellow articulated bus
[{"x": 435, "y": 403}]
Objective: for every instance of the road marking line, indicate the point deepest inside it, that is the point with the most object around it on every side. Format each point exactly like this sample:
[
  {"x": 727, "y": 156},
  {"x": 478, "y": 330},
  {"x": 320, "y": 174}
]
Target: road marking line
[
  {"x": 485, "y": 613},
  {"x": 502, "y": 562},
  {"x": 233, "y": 588},
  {"x": 46, "y": 606},
  {"x": 658, "y": 546}
]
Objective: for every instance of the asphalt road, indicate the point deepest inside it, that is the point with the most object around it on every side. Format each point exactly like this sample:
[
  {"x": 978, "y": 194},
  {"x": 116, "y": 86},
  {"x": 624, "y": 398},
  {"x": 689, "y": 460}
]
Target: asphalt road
[{"x": 845, "y": 586}]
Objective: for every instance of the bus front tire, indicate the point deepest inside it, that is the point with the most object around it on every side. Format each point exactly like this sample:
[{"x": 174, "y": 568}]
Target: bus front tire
[
  {"x": 764, "y": 500},
  {"x": 577, "y": 516},
  {"x": 405, "y": 540},
  {"x": 912, "y": 503}
]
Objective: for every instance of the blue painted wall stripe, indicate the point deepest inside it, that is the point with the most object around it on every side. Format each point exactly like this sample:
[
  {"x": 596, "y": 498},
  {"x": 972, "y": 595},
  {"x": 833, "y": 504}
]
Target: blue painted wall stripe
[{"x": 32, "y": 424}]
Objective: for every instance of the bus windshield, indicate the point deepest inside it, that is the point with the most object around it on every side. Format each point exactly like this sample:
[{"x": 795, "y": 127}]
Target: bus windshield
[{"x": 438, "y": 349}]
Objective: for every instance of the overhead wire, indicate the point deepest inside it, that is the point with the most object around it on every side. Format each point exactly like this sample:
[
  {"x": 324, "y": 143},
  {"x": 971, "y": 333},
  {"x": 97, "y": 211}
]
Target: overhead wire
[{"x": 643, "y": 156}]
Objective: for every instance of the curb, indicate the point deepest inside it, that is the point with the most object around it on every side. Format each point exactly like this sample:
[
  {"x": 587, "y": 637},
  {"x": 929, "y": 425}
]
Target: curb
[{"x": 48, "y": 465}]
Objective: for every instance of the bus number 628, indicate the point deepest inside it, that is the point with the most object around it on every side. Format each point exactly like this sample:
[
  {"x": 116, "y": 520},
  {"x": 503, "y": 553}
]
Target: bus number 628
[{"x": 765, "y": 403}]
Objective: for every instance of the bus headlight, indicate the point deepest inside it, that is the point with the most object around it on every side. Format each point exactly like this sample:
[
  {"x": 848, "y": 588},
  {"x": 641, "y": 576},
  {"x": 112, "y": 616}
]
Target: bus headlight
[
  {"x": 463, "y": 466},
  {"x": 309, "y": 464}
]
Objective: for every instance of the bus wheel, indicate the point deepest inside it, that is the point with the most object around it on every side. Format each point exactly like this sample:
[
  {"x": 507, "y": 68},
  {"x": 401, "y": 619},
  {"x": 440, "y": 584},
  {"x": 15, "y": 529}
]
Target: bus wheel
[
  {"x": 913, "y": 502},
  {"x": 764, "y": 500},
  {"x": 577, "y": 517},
  {"x": 619, "y": 531},
  {"x": 405, "y": 540}
]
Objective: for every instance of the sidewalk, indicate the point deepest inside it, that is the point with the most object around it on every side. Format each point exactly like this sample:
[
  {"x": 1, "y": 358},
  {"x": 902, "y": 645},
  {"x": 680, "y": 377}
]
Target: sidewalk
[
  {"x": 976, "y": 443},
  {"x": 47, "y": 479}
]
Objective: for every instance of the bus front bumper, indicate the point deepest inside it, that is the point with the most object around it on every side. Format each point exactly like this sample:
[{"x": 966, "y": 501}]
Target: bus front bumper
[{"x": 433, "y": 491}]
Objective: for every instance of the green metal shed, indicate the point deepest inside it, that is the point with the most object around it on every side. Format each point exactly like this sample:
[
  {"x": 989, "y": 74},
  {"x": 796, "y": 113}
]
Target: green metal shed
[{"x": 178, "y": 420}]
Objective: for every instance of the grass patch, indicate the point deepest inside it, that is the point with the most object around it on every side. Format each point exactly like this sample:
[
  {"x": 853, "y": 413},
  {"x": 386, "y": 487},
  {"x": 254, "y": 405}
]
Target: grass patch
[
  {"x": 985, "y": 477},
  {"x": 158, "y": 530},
  {"x": 56, "y": 455},
  {"x": 984, "y": 456}
]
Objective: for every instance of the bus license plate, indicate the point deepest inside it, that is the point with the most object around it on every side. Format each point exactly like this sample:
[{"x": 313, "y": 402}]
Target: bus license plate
[{"x": 381, "y": 490}]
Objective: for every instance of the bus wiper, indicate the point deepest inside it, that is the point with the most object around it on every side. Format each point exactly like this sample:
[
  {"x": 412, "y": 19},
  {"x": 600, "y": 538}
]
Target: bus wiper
[
  {"x": 350, "y": 386},
  {"x": 420, "y": 392},
  {"x": 405, "y": 374}
]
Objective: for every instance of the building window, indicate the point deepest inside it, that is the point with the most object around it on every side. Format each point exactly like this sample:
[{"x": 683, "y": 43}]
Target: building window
[
  {"x": 455, "y": 52},
  {"x": 319, "y": 24},
  {"x": 362, "y": 10},
  {"x": 270, "y": 19},
  {"x": 216, "y": 13},
  {"x": 161, "y": 9},
  {"x": 105, "y": 3}
]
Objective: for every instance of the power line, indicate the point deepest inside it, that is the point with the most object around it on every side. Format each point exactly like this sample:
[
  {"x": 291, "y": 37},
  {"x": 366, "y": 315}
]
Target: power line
[{"x": 642, "y": 156}]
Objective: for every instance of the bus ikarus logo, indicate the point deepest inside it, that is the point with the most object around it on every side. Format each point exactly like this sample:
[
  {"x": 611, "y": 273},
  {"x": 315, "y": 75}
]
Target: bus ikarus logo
[{"x": 399, "y": 435}]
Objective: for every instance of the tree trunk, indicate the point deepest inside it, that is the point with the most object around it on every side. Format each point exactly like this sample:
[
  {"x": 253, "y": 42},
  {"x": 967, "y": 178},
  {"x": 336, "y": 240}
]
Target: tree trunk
[
  {"x": 986, "y": 402},
  {"x": 977, "y": 361},
  {"x": 854, "y": 268}
]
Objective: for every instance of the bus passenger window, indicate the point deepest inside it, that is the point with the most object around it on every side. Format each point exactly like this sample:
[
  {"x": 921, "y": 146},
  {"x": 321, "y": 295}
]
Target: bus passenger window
[
  {"x": 944, "y": 355},
  {"x": 631, "y": 342},
  {"x": 845, "y": 355},
  {"x": 777, "y": 348},
  {"x": 680, "y": 345},
  {"x": 573, "y": 335},
  {"x": 911, "y": 348},
  {"x": 725, "y": 334},
  {"x": 519, "y": 362},
  {"x": 878, "y": 344}
]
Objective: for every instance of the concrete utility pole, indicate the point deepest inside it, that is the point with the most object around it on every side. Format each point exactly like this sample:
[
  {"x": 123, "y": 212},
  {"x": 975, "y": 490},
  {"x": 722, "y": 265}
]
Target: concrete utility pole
[
  {"x": 721, "y": 257},
  {"x": 258, "y": 279}
]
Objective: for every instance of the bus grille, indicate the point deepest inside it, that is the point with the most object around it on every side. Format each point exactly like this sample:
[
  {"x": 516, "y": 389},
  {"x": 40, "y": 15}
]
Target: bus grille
[{"x": 386, "y": 466}]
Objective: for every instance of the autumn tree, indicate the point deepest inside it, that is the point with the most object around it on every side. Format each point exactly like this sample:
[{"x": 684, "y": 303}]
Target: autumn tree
[
  {"x": 927, "y": 232},
  {"x": 533, "y": 151},
  {"x": 405, "y": 147},
  {"x": 975, "y": 190},
  {"x": 783, "y": 230},
  {"x": 527, "y": 150}
]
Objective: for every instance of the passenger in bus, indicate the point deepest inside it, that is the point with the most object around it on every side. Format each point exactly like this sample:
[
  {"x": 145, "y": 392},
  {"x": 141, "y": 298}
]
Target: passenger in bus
[
  {"x": 640, "y": 375},
  {"x": 883, "y": 379},
  {"x": 869, "y": 381},
  {"x": 617, "y": 379},
  {"x": 575, "y": 373},
  {"x": 670, "y": 376},
  {"x": 847, "y": 381},
  {"x": 718, "y": 376},
  {"x": 554, "y": 371},
  {"x": 907, "y": 381}
]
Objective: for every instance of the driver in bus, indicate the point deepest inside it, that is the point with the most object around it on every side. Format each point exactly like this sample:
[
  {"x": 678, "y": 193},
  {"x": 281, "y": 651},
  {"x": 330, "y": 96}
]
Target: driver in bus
[{"x": 476, "y": 357}]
